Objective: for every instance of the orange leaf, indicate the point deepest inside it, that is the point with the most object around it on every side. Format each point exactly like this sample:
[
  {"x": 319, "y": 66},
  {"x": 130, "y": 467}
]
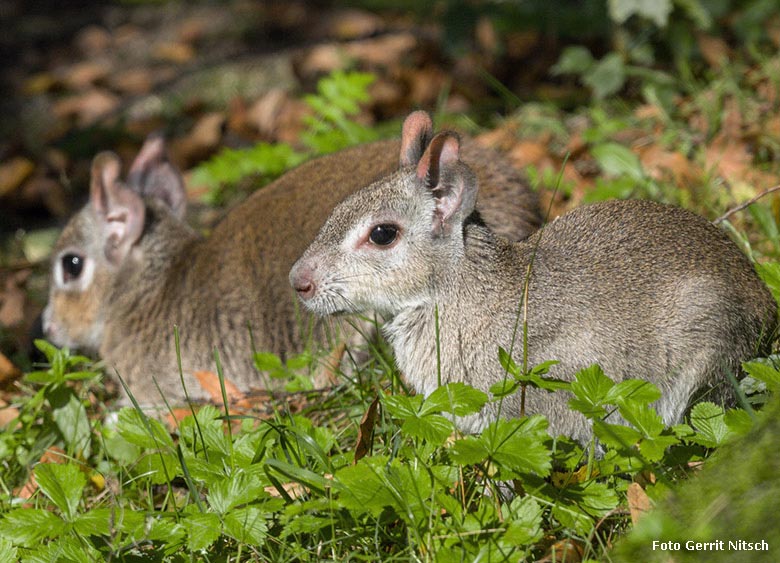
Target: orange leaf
[
  {"x": 638, "y": 502},
  {"x": 210, "y": 383}
]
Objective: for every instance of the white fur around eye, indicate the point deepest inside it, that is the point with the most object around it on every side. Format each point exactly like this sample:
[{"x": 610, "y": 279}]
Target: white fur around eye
[{"x": 82, "y": 282}]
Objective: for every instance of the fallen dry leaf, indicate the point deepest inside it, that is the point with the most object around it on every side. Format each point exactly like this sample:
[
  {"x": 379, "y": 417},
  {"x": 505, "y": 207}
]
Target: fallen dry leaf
[
  {"x": 352, "y": 23},
  {"x": 638, "y": 502},
  {"x": 86, "y": 108},
  {"x": 210, "y": 383},
  {"x": 366, "y": 431},
  {"x": 84, "y": 74},
  {"x": 714, "y": 50},
  {"x": 263, "y": 115},
  {"x": 93, "y": 40},
  {"x": 7, "y": 413},
  {"x": 13, "y": 299},
  {"x": 133, "y": 81},
  {"x": 13, "y": 173},
  {"x": 425, "y": 85},
  {"x": 178, "y": 53},
  {"x": 661, "y": 164},
  {"x": 526, "y": 153},
  {"x": 8, "y": 372},
  {"x": 568, "y": 551},
  {"x": 176, "y": 415},
  {"x": 730, "y": 158},
  {"x": 202, "y": 140}
]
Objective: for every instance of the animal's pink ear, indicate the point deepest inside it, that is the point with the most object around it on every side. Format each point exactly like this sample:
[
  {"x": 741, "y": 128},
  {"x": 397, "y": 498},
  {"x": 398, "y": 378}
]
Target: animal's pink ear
[
  {"x": 153, "y": 175},
  {"x": 121, "y": 213},
  {"x": 416, "y": 134},
  {"x": 451, "y": 182}
]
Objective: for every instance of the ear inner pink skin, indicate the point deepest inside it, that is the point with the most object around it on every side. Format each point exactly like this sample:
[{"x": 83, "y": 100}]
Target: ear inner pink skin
[
  {"x": 152, "y": 175},
  {"x": 120, "y": 210},
  {"x": 416, "y": 134}
]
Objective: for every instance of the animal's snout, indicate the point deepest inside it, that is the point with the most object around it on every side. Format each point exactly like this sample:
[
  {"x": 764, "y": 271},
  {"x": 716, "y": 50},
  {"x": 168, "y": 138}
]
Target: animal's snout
[{"x": 302, "y": 280}]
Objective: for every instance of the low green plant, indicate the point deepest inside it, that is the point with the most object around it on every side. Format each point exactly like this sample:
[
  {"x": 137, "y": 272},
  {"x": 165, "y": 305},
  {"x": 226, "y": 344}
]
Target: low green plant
[
  {"x": 331, "y": 128},
  {"x": 223, "y": 486}
]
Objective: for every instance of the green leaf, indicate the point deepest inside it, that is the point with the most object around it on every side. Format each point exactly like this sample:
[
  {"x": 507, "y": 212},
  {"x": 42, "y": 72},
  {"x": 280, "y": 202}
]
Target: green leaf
[
  {"x": 738, "y": 421},
  {"x": 456, "y": 398},
  {"x": 573, "y": 60},
  {"x": 29, "y": 526},
  {"x": 643, "y": 418},
  {"x": 48, "y": 350},
  {"x": 525, "y": 522},
  {"x": 362, "y": 488},
  {"x": 203, "y": 529},
  {"x": 606, "y": 77},
  {"x": 8, "y": 553},
  {"x": 141, "y": 430},
  {"x": 401, "y": 406},
  {"x": 237, "y": 489},
  {"x": 617, "y": 160},
  {"x": 656, "y": 11},
  {"x": 770, "y": 274},
  {"x": 507, "y": 363},
  {"x": 374, "y": 483},
  {"x": 653, "y": 448},
  {"x": 571, "y": 516},
  {"x": 708, "y": 420},
  {"x": 504, "y": 388},
  {"x": 515, "y": 445},
  {"x": 616, "y": 436},
  {"x": 763, "y": 372},
  {"x": 71, "y": 418},
  {"x": 97, "y": 522},
  {"x": 265, "y": 361},
  {"x": 433, "y": 427},
  {"x": 590, "y": 388},
  {"x": 63, "y": 484},
  {"x": 247, "y": 525},
  {"x": 636, "y": 390},
  {"x": 304, "y": 476}
]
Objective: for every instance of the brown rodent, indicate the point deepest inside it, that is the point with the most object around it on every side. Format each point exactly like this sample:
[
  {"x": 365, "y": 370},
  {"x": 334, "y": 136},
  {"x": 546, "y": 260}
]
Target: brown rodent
[
  {"x": 646, "y": 290},
  {"x": 127, "y": 268}
]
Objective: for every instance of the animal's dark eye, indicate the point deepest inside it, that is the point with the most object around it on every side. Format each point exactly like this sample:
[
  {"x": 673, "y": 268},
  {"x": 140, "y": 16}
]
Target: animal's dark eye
[
  {"x": 72, "y": 265},
  {"x": 382, "y": 235}
]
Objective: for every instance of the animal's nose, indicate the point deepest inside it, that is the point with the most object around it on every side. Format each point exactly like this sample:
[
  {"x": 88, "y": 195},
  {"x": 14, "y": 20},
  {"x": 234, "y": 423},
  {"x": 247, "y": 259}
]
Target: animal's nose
[{"x": 302, "y": 280}]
